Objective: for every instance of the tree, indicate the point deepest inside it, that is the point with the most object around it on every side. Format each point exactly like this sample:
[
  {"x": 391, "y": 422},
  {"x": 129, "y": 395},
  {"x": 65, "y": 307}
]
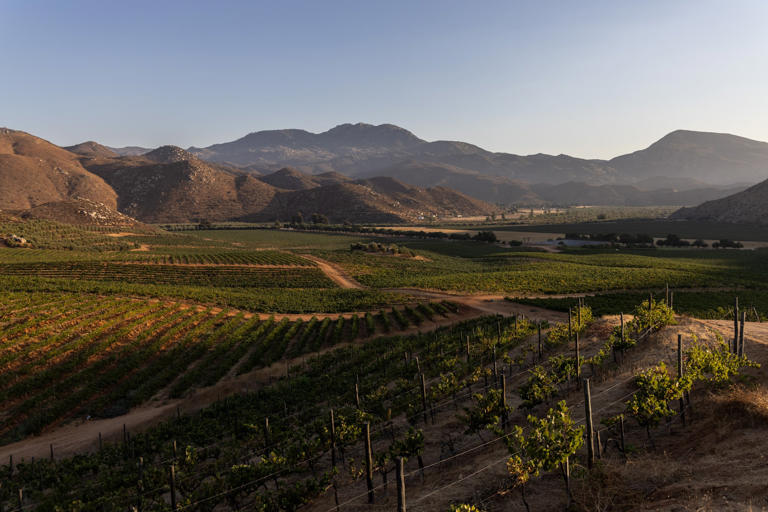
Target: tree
[
  {"x": 485, "y": 236},
  {"x": 318, "y": 218}
]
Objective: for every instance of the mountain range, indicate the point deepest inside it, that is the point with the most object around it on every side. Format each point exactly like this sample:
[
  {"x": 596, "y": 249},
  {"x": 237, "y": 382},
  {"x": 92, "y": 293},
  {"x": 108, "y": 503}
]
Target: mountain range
[
  {"x": 682, "y": 168},
  {"x": 365, "y": 173},
  {"x": 169, "y": 184}
]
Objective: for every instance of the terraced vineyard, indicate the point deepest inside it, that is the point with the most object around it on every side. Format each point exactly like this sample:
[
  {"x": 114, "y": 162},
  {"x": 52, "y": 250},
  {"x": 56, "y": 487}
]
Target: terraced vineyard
[{"x": 68, "y": 355}]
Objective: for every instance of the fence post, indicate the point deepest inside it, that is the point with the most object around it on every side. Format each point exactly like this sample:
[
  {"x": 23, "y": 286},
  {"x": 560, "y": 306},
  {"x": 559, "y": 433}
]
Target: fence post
[
  {"x": 368, "y": 462},
  {"x": 267, "y": 439},
  {"x": 590, "y": 431},
  {"x": 570, "y": 322},
  {"x": 21, "y": 498},
  {"x": 671, "y": 299},
  {"x": 400, "y": 485}
]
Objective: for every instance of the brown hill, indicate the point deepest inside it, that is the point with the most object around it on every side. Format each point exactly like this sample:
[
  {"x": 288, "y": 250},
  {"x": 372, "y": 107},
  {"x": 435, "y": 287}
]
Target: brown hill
[
  {"x": 33, "y": 171},
  {"x": 378, "y": 200},
  {"x": 181, "y": 191},
  {"x": 92, "y": 149},
  {"x": 747, "y": 207},
  {"x": 292, "y": 179}
]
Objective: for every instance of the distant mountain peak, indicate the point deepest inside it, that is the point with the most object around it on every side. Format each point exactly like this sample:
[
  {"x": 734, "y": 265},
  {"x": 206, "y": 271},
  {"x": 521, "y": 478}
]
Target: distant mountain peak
[{"x": 91, "y": 149}]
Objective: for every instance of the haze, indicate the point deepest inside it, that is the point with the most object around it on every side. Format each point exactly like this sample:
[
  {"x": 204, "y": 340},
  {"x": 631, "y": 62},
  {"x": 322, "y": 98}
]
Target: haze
[{"x": 591, "y": 80}]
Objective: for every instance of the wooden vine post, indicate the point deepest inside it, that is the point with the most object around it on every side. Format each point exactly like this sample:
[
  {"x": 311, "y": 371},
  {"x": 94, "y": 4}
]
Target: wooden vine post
[
  {"x": 467, "y": 348},
  {"x": 570, "y": 322},
  {"x": 504, "y": 418},
  {"x": 741, "y": 332},
  {"x": 590, "y": 427},
  {"x": 173, "y": 487},
  {"x": 399, "y": 468},
  {"x": 578, "y": 360},
  {"x": 680, "y": 374},
  {"x": 333, "y": 441},
  {"x": 735, "y": 325},
  {"x": 621, "y": 432},
  {"x": 368, "y": 462},
  {"x": 357, "y": 395},
  {"x": 538, "y": 326},
  {"x": 424, "y": 397}
]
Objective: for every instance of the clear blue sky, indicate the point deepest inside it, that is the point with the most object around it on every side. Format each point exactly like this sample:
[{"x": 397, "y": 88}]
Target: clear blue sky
[{"x": 588, "y": 78}]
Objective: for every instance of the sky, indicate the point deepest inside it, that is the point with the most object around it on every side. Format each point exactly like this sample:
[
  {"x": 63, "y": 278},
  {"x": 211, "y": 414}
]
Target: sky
[{"x": 590, "y": 78}]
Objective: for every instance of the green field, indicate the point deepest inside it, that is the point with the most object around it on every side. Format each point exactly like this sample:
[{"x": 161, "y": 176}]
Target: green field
[
  {"x": 472, "y": 267},
  {"x": 654, "y": 227}
]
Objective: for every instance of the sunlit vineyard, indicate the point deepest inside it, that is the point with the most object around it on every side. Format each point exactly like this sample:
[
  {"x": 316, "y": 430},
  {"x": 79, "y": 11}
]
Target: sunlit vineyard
[{"x": 66, "y": 356}]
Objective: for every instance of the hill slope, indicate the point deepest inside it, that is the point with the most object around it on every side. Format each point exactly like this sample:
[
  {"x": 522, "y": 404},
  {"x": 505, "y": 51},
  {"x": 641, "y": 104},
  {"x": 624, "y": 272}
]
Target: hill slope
[
  {"x": 747, "y": 207},
  {"x": 717, "y": 158},
  {"x": 34, "y": 171}
]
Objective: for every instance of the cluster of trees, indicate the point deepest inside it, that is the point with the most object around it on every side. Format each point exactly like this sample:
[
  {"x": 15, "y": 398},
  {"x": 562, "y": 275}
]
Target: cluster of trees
[
  {"x": 381, "y": 248},
  {"x": 628, "y": 239},
  {"x": 316, "y": 218},
  {"x": 645, "y": 240}
]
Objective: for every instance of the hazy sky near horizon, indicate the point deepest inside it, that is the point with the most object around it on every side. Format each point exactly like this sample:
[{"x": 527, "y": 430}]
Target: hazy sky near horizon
[{"x": 590, "y": 78}]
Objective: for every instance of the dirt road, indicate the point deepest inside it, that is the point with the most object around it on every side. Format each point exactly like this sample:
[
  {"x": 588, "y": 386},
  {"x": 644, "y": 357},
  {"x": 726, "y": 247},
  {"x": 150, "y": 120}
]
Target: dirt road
[{"x": 334, "y": 273}]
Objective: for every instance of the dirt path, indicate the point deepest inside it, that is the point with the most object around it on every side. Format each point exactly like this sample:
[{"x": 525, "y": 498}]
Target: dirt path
[{"x": 335, "y": 273}]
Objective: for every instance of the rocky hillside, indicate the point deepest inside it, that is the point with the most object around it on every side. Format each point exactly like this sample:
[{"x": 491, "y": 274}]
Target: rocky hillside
[
  {"x": 33, "y": 172},
  {"x": 747, "y": 207},
  {"x": 82, "y": 212}
]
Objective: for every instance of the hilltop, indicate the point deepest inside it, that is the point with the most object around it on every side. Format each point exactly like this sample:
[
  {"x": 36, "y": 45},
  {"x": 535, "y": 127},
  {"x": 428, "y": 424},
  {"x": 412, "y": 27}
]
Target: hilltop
[{"x": 33, "y": 171}]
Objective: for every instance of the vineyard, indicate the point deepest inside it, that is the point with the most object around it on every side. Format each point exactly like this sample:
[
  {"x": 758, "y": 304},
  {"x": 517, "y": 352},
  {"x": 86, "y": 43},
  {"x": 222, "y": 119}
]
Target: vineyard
[
  {"x": 302, "y": 440},
  {"x": 461, "y": 266},
  {"x": 320, "y": 409},
  {"x": 66, "y": 356}
]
